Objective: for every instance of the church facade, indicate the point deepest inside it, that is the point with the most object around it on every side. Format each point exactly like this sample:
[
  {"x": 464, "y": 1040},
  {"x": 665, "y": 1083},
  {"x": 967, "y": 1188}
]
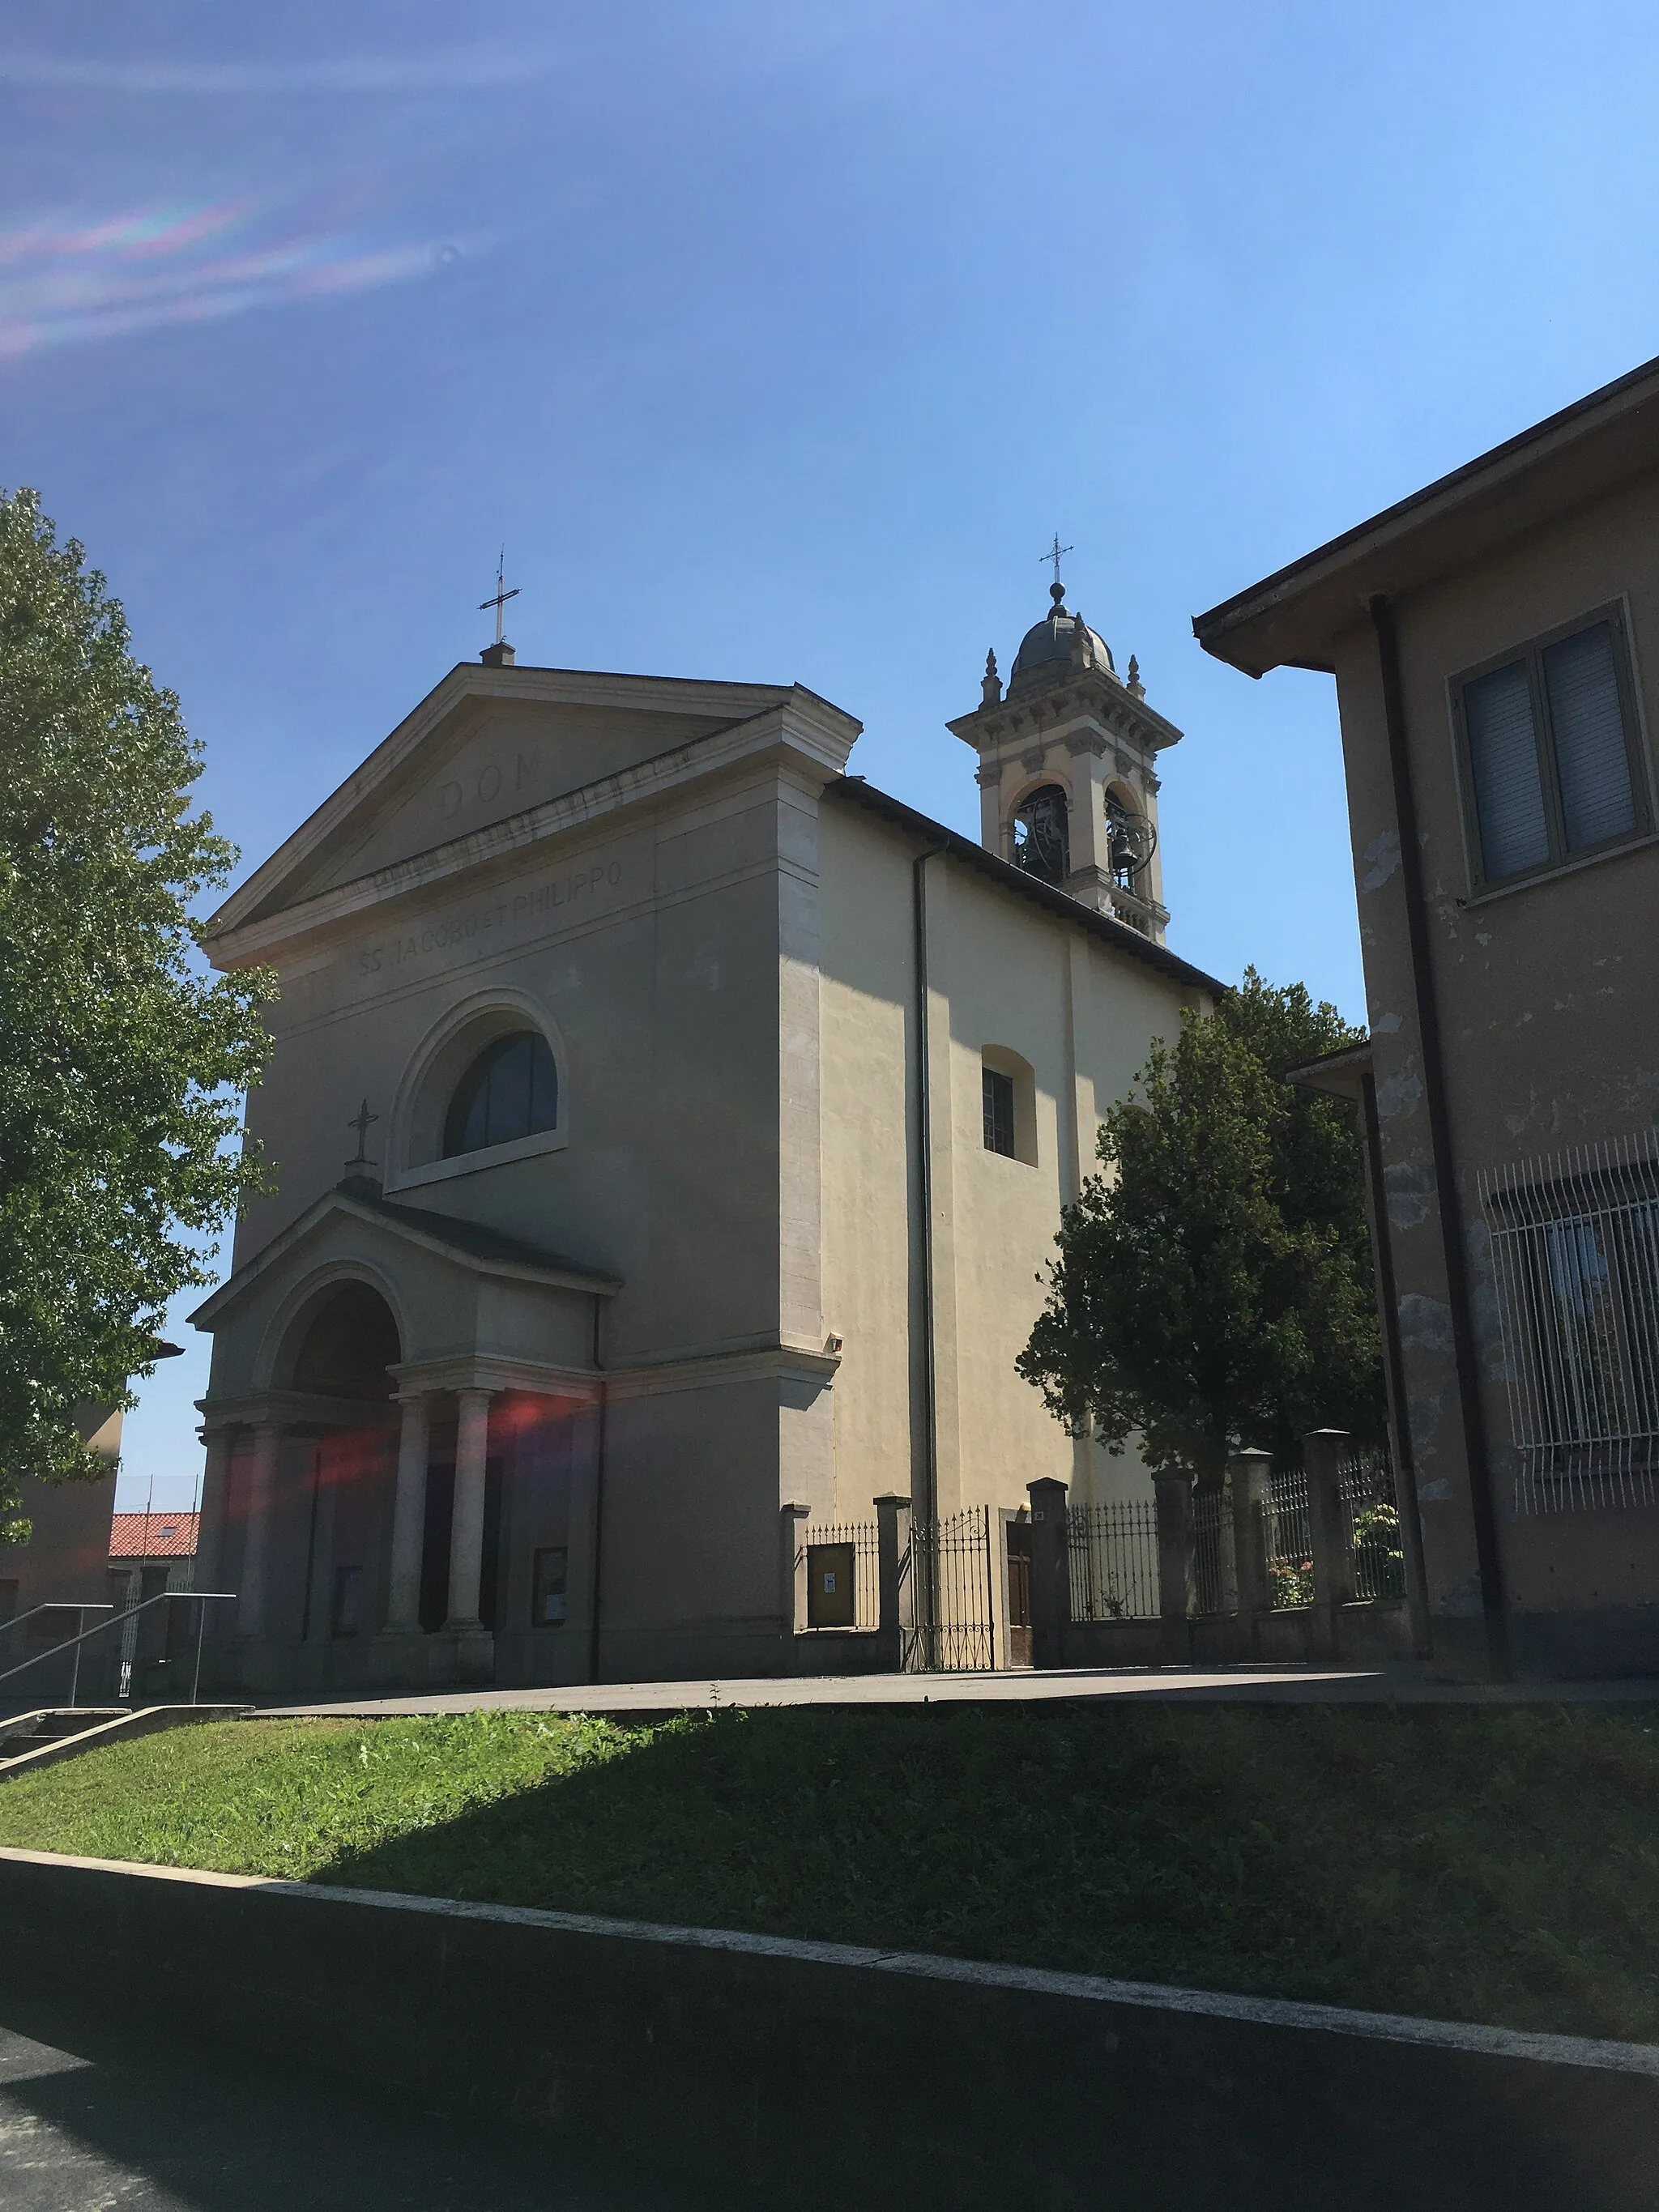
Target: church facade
[{"x": 714, "y": 1113}]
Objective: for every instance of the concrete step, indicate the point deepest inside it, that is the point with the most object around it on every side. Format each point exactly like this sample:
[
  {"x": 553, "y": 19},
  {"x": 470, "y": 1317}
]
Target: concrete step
[{"x": 93, "y": 1727}]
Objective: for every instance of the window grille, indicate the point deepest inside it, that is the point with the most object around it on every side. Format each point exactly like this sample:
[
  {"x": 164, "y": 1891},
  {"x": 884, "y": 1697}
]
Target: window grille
[
  {"x": 1551, "y": 752},
  {"x": 1575, "y": 1239}
]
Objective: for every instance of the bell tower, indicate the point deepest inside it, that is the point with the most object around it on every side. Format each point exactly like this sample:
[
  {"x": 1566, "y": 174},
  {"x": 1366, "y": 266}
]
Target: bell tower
[{"x": 1067, "y": 780}]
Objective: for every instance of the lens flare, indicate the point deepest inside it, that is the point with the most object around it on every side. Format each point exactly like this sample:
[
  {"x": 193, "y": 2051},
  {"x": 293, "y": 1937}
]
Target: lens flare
[{"x": 69, "y": 280}]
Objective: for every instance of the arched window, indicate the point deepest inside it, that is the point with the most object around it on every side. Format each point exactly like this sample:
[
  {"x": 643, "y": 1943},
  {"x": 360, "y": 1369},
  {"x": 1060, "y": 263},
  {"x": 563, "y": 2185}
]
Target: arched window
[
  {"x": 510, "y": 1090},
  {"x": 1042, "y": 845}
]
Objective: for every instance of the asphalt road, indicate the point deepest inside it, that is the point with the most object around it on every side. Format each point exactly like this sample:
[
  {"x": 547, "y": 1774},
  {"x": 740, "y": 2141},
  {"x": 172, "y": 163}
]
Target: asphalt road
[{"x": 108, "y": 2119}]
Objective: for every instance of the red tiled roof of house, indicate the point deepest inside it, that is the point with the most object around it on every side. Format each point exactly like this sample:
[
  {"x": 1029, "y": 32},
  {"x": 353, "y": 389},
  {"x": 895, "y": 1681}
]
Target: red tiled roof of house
[{"x": 152, "y": 1536}]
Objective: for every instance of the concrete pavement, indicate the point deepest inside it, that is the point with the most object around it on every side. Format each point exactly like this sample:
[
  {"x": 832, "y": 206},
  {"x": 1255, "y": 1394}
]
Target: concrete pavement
[{"x": 1179, "y": 1684}]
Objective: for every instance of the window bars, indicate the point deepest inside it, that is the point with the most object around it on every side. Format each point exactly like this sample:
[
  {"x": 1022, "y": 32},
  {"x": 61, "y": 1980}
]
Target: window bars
[
  {"x": 954, "y": 1620},
  {"x": 1113, "y": 1553},
  {"x": 861, "y": 1538},
  {"x": 1575, "y": 1239}
]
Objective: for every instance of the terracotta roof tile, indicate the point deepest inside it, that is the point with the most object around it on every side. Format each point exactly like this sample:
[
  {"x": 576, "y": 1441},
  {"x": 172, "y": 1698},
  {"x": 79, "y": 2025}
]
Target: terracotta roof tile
[{"x": 152, "y": 1536}]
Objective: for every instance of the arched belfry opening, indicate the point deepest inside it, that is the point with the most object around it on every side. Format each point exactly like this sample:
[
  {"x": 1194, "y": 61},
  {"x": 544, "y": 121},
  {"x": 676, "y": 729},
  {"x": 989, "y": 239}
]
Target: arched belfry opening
[
  {"x": 349, "y": 1346},
  {"x": 1042, "y": 834}
]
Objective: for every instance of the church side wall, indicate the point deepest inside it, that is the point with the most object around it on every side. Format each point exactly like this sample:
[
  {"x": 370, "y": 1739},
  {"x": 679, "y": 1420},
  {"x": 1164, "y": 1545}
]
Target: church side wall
[
  {"x": 1005, "y": 974},
  {"x": 869, "y": 1206}
]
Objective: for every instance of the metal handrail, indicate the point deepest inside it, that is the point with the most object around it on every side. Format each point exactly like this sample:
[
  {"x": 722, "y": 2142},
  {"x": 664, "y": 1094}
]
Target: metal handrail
[
  {"x": 56, "y": 1605},
  {"x": 162, "y": 1597}
]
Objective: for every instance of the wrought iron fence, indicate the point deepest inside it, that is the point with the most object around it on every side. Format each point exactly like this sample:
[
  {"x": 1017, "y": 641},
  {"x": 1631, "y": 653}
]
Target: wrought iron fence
[
  {"x": 949, "y": 1566},
  {"x": 861, "y": 1538},
  {"x": 1371, "y": 1525},
  {"x": 1113, "y": 1555},
  {"x": 1214, "y": 1581},
  {"x": 1287, "y": 1540}
]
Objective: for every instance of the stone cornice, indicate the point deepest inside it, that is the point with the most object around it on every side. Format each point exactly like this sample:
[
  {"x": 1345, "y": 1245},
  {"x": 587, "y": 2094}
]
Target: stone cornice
[
  {"x": 483, "y": 1370},
  {"x": 1082, "y": 696}
]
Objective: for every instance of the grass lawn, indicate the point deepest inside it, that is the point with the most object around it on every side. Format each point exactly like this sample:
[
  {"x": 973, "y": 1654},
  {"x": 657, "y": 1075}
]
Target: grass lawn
[{"x": 1498, "y": 1865}]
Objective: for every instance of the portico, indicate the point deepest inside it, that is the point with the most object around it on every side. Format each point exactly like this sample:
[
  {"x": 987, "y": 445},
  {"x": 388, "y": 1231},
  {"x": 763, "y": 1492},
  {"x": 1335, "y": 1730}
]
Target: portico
[{"x": 354, "y": 1493}]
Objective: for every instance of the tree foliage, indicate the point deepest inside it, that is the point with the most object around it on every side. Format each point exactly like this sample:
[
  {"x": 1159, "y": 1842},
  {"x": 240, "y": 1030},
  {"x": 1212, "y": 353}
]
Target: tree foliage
[
  {"x": 121, "y": 1062},
  {"x": 1214, "y": 1287}
]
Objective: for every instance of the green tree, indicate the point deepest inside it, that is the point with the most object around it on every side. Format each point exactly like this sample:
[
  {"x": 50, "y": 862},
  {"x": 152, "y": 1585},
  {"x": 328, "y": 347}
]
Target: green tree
[
  {"x": 121, "y": 1062},
  {"x": 1214, "y": 1287}
]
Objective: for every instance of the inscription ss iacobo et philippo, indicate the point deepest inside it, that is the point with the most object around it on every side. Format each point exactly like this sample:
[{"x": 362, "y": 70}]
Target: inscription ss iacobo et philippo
[{"x": 575, "y": 888}]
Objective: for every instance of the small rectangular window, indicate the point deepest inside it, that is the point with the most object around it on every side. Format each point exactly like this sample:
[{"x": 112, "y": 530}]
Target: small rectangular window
[
  {"x": 1550, "y": 755},
  {"x": 348, "y": 1601},
  {"x": 547, "y": 1588},
  {"x": 8, "y": 1601},
  {"x": 999, "y": 1098}
]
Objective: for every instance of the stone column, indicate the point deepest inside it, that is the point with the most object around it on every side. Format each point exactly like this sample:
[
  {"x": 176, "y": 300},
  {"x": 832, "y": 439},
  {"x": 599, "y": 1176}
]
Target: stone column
[
  {"x": 403, "y": 1608},
  {"x": 466, "y": 1533},
  {"x": 1174, "y": 1487},
  {"x": 896, "y": 1617},
  {"x": 256, "y": 1541},
  {"x": 220, "y": 1442},
  {"x": 1333, "y": 1570},
  {"x": 1248, "y": 1474},
  {"x": 1051, "y": 1572}
]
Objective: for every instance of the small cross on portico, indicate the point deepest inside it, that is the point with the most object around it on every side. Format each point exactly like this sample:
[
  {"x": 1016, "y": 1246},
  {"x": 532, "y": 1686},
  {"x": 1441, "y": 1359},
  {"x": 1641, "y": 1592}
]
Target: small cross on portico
[{"x": 362, "y": 1121}]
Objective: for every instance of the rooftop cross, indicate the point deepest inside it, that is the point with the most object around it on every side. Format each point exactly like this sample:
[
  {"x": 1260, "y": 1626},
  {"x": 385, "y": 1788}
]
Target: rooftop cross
[
  {"x": 361, "y": 1122},
  {"x": 503, "y": 596},
  {"x": 1055, "y": 553}
]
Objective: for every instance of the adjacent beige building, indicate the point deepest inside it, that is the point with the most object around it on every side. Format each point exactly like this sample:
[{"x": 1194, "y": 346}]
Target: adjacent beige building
[
  {"x": 1495, "y": 639},
  {"x": 717, "y": 1112}
]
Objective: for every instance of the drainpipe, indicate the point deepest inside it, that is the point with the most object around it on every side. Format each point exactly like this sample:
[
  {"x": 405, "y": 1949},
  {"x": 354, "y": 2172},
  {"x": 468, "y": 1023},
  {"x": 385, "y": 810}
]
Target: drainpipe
[
  {"x": 598, "y": 1505},
  {"x": 927, "y": 1498},
  {"x": 1394, "y": 1369},
  {"x": 1488, "y": 1553}
]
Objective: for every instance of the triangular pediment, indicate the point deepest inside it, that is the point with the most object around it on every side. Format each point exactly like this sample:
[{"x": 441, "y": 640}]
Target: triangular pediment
[
  {"x": 471, "y": 1246},
  {"x": 486, "y": 744}
]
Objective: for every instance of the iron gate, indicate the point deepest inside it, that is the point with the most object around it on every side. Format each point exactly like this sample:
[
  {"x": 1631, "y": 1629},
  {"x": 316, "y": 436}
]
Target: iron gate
[{"x": 952, "y": 1611}]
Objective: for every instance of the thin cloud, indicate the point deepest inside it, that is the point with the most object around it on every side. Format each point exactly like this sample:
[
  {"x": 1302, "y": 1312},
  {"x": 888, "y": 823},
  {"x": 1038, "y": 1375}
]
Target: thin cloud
[{"x": 457, "y": 70}]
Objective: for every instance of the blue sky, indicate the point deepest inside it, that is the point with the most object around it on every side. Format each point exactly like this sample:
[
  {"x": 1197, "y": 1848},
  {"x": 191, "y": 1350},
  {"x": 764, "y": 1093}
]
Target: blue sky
[{"x": 774, "y": 341}]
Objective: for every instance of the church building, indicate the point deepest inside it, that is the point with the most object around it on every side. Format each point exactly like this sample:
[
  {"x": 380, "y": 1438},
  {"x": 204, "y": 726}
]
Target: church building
[{"x": 714, "y": 1113}]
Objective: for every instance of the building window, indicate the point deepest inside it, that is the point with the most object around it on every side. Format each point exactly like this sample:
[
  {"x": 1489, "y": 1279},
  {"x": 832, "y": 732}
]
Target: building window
[
  {"x": 999, "y": 1091},
  {"x": 1008, "y": 1097},
  {"x": 547, "y": 1588},
  {"x": 8, "y": 1602},
  {"x": 1551, "y": 752},
  {"x": 1575, "y": 1241},
  {"x": 510, "y": 1090}
]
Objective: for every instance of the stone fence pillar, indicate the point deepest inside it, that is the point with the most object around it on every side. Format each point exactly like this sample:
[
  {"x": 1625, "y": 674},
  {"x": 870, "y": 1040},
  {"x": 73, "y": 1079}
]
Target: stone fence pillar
[
  {"x": 792, "y": 1572},
  {"x": 1051, "y": 1573},
  {"x": 1174, "y": 1487},
  {"x": 896, "y": 1617},
  {"x": 1248, "y": 1474},
  {"x": 1323, "y": 1452}
]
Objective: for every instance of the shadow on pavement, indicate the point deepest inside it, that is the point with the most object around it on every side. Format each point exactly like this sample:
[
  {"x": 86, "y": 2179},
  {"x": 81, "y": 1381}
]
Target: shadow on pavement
[{"x": 95, "y": 2115}]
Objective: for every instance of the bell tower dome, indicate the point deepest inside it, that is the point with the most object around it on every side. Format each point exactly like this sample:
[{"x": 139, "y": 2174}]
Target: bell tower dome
[{"x": 1068, "y": 785}]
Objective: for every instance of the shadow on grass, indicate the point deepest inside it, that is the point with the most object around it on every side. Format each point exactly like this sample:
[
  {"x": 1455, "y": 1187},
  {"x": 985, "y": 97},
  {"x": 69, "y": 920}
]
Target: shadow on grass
[{"x": 1497, "y": 1866}]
